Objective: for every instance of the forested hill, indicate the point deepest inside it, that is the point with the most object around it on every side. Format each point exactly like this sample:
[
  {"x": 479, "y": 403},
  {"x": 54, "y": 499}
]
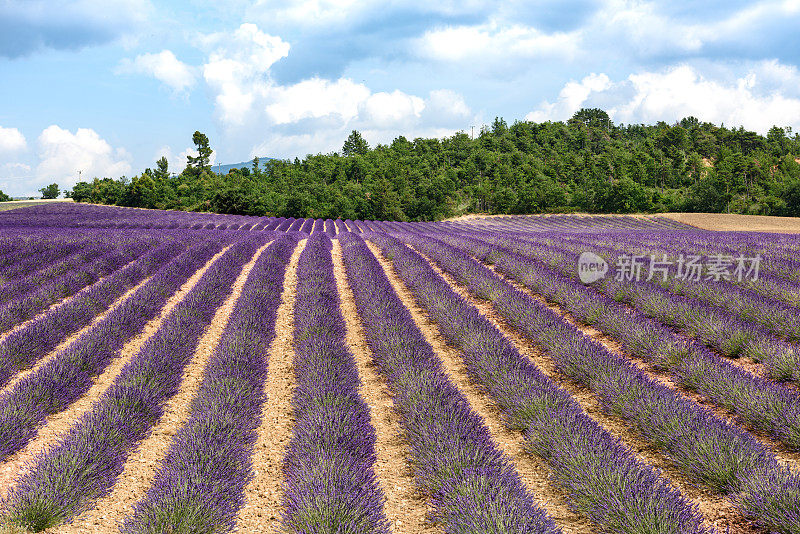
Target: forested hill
[{"x": 586, "y": 164}]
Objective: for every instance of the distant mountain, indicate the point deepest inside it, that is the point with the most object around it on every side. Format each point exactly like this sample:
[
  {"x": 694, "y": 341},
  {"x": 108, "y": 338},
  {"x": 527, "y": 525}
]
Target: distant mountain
[{"x": 223, "y": 169}]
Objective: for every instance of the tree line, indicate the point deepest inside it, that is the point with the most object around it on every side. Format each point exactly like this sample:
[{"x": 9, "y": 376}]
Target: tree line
[{"x": 586, "y": 164}]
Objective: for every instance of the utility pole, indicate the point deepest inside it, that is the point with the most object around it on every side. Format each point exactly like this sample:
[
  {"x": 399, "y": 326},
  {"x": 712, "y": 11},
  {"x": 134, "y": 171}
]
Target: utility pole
[{"x": 472, "y": 132}]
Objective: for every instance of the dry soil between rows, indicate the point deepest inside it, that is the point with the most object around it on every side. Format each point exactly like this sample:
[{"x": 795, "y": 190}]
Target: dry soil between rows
[
  {"x": 726, "y": 222},
  {"x": 717, "y": 511},
  {"x": 142, "y": 464},
  {"x": 59, "y": 423},
  {"x": 533, "y": 472},
  {"x": 264, "y": 493},
  {"x": 405, "y": 508}
]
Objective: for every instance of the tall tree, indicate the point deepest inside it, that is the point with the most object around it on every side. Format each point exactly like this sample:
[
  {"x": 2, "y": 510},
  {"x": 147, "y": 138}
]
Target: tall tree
[
  {"x": 201, "y": 162},
  {"x": 355, "y": 145},
  {"x": 162, "y": 168}
]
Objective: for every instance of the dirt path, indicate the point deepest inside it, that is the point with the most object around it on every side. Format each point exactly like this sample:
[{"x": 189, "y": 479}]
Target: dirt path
[
  {"x": 60, "y": 303},
  {"x": 71, "y": 339},
  {"x": 405, "y": 508},
  {"x": 716, "y": 510},
  {"x": 264, "y": 494},
  {"x": 59, "y": 423},
  {"x": 141, "y": 466},
  {"x": 533, "y": 471}
]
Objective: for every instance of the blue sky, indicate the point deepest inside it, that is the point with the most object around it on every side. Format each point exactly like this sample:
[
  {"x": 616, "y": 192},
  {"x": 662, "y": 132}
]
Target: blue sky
[{"x": 105, "y": 87}]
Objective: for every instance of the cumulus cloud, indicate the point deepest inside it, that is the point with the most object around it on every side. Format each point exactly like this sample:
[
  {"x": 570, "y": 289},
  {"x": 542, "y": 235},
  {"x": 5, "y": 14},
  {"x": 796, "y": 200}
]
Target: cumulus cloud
[
  {"x": 63, "y": 154},
  {"x": 29, "y": 26},
  {"x": 11, "y": 141},
  {"x": 314, "y": 98},
  {"x": 164, "y": 67},
  {"x": 312, "y": 115},
  {"x": 237, "y": 69},
  {"x": 494, "y": 41},
  {"x": 673, "y": 93},
  {"x": 570, "y": 99},
  {"x": 682, "y": 91}
]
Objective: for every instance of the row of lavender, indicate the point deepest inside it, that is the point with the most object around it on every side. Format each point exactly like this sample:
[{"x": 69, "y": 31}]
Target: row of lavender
[
  {"x": 68, "y": 215},
  {"x": 84, "y": 464},
  {"x": 70, "y": 373},
  {"x": 769, "y": 340},
  {"x": 90, "y": 217},
  {"x": 200, "y": 484},
  {"x": 758, "y": 402},
  {"x": 23, "y": 347},
  {"x": 600, "y": 475},
  {"x": 328, "y": 466},
  {"x": 471, "y": 484},
  {"x": 709, "y": 450}
]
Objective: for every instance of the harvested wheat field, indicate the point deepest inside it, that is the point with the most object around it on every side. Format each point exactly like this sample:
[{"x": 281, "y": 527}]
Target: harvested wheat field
[{"x": 187, "y": 372}]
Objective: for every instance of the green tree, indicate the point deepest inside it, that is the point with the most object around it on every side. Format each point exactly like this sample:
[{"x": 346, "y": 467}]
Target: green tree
[
  {"x": 592, "y": 118},
  {"x": 201, "y": 162},
  {"x": 50, "y": 191},
  {"x": 4, "y": 197},
  {"x": 792, "y": 199},
  {"x": 355, "y": 145},
  {"x": 162, "y": 169}
]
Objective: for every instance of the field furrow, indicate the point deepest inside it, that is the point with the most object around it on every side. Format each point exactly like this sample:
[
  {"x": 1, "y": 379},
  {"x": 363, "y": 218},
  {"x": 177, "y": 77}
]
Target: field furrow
[
  {"x": 68, "y": 477},
  {"x": 142, "y": 464},
  {"x": 405, "y": 508},
  {"x": 263, "y": 495},
  {"x": 533, "y": 472},
  {"x": 721, "y": 456}
]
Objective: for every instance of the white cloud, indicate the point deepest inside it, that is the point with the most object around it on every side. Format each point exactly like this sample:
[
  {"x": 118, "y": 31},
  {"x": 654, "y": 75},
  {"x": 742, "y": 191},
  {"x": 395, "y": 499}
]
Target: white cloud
[
  {"x": 11, "y": 141},
  {"x": 314, "y": 98},
  {"x": 494, "y": 41},
  {"x": 682, "y": 91},
  {"x": 640, "y": 28},
  {"x": 63, "y": 154},
  {"x": 392, "y": 110},
  {"x": 237, "y": 69},
  {"x": 164, "y": 67},
  {"x": 315, "y": 114},
  {"x": 570, "y": 99},
  {"x": 677, "y": 92},
  {"x": 446, "y": 107}
]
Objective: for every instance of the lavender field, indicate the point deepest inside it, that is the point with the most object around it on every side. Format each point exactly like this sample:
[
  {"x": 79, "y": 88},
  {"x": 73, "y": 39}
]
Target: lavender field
[{"x": 173, "y": 372}]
